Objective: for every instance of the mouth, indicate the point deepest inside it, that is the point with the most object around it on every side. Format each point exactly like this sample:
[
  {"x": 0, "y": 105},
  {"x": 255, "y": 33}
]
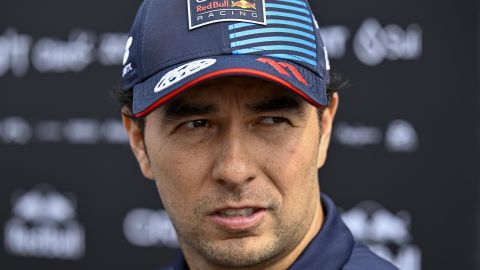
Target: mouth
[{"x": 238, "y": 219}]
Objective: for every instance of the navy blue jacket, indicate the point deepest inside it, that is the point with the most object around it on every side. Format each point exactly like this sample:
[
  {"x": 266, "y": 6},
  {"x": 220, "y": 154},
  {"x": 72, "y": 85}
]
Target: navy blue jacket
[{"x": 333, "y": 248}]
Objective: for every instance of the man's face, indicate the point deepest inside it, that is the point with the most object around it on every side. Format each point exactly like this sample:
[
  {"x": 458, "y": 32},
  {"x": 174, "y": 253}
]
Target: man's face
[{"x": 235, "y": 162}]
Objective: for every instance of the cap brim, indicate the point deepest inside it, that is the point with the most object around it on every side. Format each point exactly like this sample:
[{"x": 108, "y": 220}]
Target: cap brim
[{"x": 148, "y": 95}]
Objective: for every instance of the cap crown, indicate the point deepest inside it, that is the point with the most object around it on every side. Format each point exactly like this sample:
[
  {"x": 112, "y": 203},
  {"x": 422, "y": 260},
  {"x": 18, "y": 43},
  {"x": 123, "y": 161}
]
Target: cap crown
[{"x": 169, "y": 32}]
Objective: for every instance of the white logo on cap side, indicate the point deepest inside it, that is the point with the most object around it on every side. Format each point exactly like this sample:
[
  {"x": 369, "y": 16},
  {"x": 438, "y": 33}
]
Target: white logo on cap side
[
  {"x": 182, "y": 72},
  {"x": 127, "y": 50},
  {"x": 327, "y": 61}
]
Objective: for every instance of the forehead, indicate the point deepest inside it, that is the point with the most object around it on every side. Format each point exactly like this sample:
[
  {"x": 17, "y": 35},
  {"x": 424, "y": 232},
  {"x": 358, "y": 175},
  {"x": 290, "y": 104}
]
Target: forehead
[{"x": 238, "y": 88}]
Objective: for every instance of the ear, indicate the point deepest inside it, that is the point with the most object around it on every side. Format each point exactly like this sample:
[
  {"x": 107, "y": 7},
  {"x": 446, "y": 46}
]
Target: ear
[
  {"x": 327, "y": 123},
  {"x": 137, "y": 144}
]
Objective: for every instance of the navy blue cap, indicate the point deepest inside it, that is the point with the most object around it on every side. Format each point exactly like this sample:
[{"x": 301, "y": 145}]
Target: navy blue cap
[{"x": 176, "y": 44}]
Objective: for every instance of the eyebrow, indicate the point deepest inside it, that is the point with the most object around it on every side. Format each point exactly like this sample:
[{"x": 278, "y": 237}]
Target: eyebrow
[
  {"x": 277, "y": 103},
  {"x": 182, "y": 108}
]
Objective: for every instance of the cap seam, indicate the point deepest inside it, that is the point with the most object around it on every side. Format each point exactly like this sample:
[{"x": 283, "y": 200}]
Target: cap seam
[
  {"x": 147, "y": 13},
  {"x": 226, "y": 47},
  {"x": 318, "y": 39},
  {"x": 260, "y": 50},
  {"x": 181, "y": 56}
]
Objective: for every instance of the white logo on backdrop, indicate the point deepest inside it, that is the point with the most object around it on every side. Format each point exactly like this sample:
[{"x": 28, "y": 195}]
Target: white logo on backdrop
[
  {"x": 357, "y": 135},
  {"x": 400, "y": 136},
  {"x": 374, "y": 43},
  {"x": 17, "y": 130},
  {"x": 14, "y": 52},
  {"x": 55, "y": 55},
  {"x": 381, "y": 230},
  {"x": 147, "y": 228},
  {"x": 335, "y": 38},
  {"x": 72, "y": 55},
  {"x": 43, "y": 224},
  {"x": 110, "y": 50},
  {"x": 49, "y": 131},
  {"x": 182, "y": 72}
]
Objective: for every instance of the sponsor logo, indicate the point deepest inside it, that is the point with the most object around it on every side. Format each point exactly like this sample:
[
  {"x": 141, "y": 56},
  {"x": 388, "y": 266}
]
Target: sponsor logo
[
  {"x": 385, "y": 233},
  {"x": 43, "y": 224},
  {"x": 374, "y": 43},
  {"x": 327, "y": 61},
  {"x": 243, "y": 4},
  {"x": 16, "y": 130},
  {"x": 182, "y": 72},
  {"x": 400, "y": 136},
  {"x": 206, "y": 12},
  {"x": 74, "y": 54},
  {"x": 282, "y": 67},
  {"x": 335, "y": 38},
  {"x": 14, "y": 52},
  {"x": 127, "y": 50},
  {"x": 212, "y": 6},
  {"x": 357, "y": 135},
  {"x": 21, "y": 53},
  {"x": 127, "y": 68},
  {"x": 149, "y": 228}
]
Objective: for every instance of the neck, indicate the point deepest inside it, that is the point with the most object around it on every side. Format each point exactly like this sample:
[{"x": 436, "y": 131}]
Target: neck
[{"x": 315, "y": 227}]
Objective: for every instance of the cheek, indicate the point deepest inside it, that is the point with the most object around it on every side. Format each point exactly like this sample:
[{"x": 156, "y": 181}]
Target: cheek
[
  {"x": 292, "y": 166},
  {"x": 295, "y": 158},
  {"x": 179, "y": 174}
]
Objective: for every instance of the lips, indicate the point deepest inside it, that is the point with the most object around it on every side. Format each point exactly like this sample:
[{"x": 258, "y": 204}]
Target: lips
[
  {"x": 238, "y": 219},
  {"x": 244, "y": 212}
]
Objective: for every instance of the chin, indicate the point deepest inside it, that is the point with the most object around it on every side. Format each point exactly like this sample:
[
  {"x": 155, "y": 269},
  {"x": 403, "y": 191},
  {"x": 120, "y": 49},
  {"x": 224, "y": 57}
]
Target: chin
[{"x": 240, "y": 252}]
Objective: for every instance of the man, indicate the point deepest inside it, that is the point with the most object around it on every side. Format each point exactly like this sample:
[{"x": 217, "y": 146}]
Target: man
[{"x": 227, "y": 110}]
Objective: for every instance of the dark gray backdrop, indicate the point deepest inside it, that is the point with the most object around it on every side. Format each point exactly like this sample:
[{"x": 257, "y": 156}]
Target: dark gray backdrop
[{"x": 403, "y": 164}]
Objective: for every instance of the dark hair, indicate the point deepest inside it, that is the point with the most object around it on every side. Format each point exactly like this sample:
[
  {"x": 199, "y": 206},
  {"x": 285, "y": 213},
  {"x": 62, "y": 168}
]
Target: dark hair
[{"x": 125, "y": 98}]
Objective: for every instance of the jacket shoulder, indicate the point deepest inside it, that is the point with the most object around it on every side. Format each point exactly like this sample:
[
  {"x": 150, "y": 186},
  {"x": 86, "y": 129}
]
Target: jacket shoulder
[{"x": 363, "y": 258}]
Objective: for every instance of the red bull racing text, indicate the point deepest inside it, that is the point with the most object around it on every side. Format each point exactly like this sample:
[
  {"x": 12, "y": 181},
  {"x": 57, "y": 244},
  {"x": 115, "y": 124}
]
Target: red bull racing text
[{"x": 204, "y": 12}]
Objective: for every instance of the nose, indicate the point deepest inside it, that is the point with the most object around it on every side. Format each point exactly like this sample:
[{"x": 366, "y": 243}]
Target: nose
[{"x": 234, "y": 165}]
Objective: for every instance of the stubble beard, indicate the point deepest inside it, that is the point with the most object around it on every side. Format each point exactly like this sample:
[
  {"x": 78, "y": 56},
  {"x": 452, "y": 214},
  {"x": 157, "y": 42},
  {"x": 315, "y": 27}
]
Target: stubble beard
[{"x": 238, "y": 252}]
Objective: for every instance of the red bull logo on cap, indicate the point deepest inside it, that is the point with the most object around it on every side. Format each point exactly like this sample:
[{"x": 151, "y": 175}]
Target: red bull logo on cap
[
  {"x": 205, "y": 12},
  {"x": 244, "y": 4},
  {"x": 212, "y": 6}
]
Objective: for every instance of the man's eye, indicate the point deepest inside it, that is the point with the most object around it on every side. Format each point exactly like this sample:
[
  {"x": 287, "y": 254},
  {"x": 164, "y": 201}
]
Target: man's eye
[
  {"x": 196, "y": 124},
  {"x": 273, "y": 120}
]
